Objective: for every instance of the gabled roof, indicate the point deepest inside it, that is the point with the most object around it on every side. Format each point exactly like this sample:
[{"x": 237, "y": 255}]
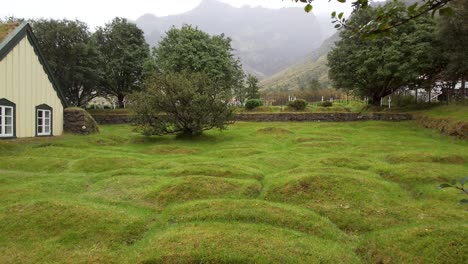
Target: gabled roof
[{"x": 13, "y": 37}]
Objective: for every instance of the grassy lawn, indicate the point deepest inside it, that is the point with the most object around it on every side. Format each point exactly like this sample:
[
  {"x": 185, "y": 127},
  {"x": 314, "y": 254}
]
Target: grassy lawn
[{"x": 363, "y": 192}]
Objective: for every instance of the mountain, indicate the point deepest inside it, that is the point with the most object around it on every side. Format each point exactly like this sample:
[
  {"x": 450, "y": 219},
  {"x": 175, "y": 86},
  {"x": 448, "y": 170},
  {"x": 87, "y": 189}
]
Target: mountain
[
  {"x": 266, "y": 40},
  {"x": 301, "y": 74}
]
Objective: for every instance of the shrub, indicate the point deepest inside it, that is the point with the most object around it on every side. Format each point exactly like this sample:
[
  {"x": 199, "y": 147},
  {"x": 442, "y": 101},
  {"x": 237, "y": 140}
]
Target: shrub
[
  {"x": 298, "y": 105},
  {"x": 327, "y": 104},
  {"x": 181, "y": 103},
  {"x": 253, "y": 103}
]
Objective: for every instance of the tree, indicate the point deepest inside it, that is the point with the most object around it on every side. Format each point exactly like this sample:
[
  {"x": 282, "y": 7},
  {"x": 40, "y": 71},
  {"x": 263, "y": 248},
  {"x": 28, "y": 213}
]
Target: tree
[
  {"x": 189, "y": 49},
  {"x": 384, "y": 20},
  {"x": 124, "y": 51},
  {"x": 252, "y": 87},
  {"x": 181, "y": 103},
  {"x": 374, "y": 66},
  {"x": 194, "y": 75},
  {"x": 452, "y": 34},
  {"x": 72, "y": 56}
]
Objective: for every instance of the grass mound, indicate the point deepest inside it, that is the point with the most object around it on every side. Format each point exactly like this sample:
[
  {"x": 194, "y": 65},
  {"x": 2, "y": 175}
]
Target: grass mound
[
  {"x": 171, "y": 150},
  {"x": 356, "y": 201},
  {"x": 100, "y": 164},
  {"x": 253, "y": 211},
  {"x": 33, "y": 164},
  {"x": 426, "y": 157},
  {"x": 219, "y": 170},
  {"x": 274, "y": 131},
  {"x": 197, "y": 187},
  {"x": 239, "y": 243},
  {"x": 63, "y": 225},
  {"x": 417, "y": 244},
  {"x": 242, "y": 197}
]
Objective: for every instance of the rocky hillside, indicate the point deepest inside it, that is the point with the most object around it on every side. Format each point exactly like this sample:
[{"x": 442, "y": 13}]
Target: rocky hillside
[
  {"x": 266, "y": 40},
  {"x": 303, "y": 73}
]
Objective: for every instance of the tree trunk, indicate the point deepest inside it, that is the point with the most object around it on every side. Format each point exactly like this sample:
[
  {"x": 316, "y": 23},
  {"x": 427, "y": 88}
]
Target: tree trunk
[
  {"x": 120, "y": 99},
  {"x": 416, "y": 94},
  {"x": 464, "y": 91}
]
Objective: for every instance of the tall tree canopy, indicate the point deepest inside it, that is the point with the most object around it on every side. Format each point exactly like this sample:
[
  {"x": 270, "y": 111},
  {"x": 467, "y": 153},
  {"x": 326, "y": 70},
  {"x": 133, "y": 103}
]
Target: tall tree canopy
[
  {"x": 193, "y": 77},
  {"x": 376, "y": 66},
  {"x": 124, "y": 51},
  {"x": 452, "y": 34},
  {"x": 252, "y": 87},
  {"x": 189, "y": 49},
  {"x": 72, "y": 56}
]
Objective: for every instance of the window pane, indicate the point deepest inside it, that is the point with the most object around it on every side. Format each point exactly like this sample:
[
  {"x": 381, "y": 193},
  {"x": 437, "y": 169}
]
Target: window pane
[
  {"x": 47, "y": 130},
  {"x": 39, "y": 113},
  {"x": 9, "y": 111},
  {"x": 39, "y": 122},
  {"x": 8, "y": 121},
  {"x": 47, "y": 114},
  {"x": 39, "y": 130},
  {"x": 8, "y": 130}
]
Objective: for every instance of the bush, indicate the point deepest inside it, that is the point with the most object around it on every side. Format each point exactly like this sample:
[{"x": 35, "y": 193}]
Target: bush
[
  {"x": 181, "y": 103},
  {"x": 326, "y": 104},
  {"x": 253, "y": 103},
  {"x": 298, "y": 105}
]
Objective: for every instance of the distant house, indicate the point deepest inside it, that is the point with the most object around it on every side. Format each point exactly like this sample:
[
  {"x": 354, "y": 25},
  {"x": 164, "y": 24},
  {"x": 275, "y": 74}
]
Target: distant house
[{"x": 31, "y": 104}]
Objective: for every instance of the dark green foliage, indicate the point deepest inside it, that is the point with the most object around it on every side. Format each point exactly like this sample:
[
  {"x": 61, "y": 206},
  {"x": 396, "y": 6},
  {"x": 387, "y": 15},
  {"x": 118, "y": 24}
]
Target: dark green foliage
[
  {"x": 191, "y": 50},
  {"x": 72, "y": 56},
  {"x": 460, "y": 185},
  {"x": 376, "y": 66},
  {"x": 194, "y": 75},
  {"x": 124, "y": 52},
  {"x": 385, "y": 20},
  {"x": 181, "y": 103},
  {"x": 253, "y": 103},
  {"x": 326, "y": 104},
  {"x": 252, "y": 87},
  {"x": 298, "y": 104},
  {"x": 452, "y": 37}
]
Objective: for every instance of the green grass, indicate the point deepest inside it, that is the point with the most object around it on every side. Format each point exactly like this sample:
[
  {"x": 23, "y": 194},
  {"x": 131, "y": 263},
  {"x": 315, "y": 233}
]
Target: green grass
[
  {"x": 454, "y": 112},
  {"x": 361, "y": 192}
]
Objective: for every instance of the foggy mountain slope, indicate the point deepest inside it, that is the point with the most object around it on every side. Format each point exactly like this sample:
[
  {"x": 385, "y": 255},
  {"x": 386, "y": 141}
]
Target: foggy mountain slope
[
  {"x": 266, "y": 40},
  {"x": 313, "y": 66}
]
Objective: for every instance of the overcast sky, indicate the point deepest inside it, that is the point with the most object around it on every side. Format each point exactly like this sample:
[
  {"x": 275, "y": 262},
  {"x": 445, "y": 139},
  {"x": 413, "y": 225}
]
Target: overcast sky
[{"x": 98, "y": 12}]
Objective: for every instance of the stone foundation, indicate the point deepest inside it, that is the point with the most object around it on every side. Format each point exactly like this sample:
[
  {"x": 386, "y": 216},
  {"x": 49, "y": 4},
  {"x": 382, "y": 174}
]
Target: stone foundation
[{"x": 78, "y": 121}]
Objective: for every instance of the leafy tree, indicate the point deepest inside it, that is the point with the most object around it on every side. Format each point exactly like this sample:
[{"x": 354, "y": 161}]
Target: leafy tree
[
  {"x": 252, "y": 87},
  {"x": 181, "y": 103},
  {"x": 189, "y": 49},
  {"x": 124, "y": 51},
  {"x": 72, "y": 56},
  {"x": 452, "y": 37},
  {"x": 374, "y": 66},
  {"x": 194, "y": 75}
]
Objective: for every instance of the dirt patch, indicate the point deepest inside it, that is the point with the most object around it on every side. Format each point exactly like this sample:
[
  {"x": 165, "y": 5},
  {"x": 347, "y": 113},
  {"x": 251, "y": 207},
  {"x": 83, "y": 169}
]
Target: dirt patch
[
  {"x": 446, "y": 126},
  {"x": 426, "y": 157},
  {"x": 274, "y": 131},
  {"x": 169, "y": 151},
  {"x": 318, "y": 139}
]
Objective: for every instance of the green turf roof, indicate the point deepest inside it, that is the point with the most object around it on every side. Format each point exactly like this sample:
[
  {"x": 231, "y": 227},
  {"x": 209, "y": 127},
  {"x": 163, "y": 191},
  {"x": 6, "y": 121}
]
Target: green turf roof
[{"x": 6, "y": 29}]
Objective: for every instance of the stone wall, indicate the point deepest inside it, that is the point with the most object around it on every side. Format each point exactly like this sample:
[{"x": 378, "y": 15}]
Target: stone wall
[
  {"x": 78, "y": 121},
  {"x": 104, "y": 119},
  {"x": 283, "y": 117}
]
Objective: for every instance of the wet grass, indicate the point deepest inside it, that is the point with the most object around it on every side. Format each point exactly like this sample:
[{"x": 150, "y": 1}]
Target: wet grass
[{"x": 259, "y": 192}]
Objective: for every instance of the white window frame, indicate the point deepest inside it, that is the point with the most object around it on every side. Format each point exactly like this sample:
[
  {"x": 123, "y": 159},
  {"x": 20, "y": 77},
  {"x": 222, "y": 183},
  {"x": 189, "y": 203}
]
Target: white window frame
[
  {"x": 45, "y": 126},
  {"x": 3, "y": 123}
]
